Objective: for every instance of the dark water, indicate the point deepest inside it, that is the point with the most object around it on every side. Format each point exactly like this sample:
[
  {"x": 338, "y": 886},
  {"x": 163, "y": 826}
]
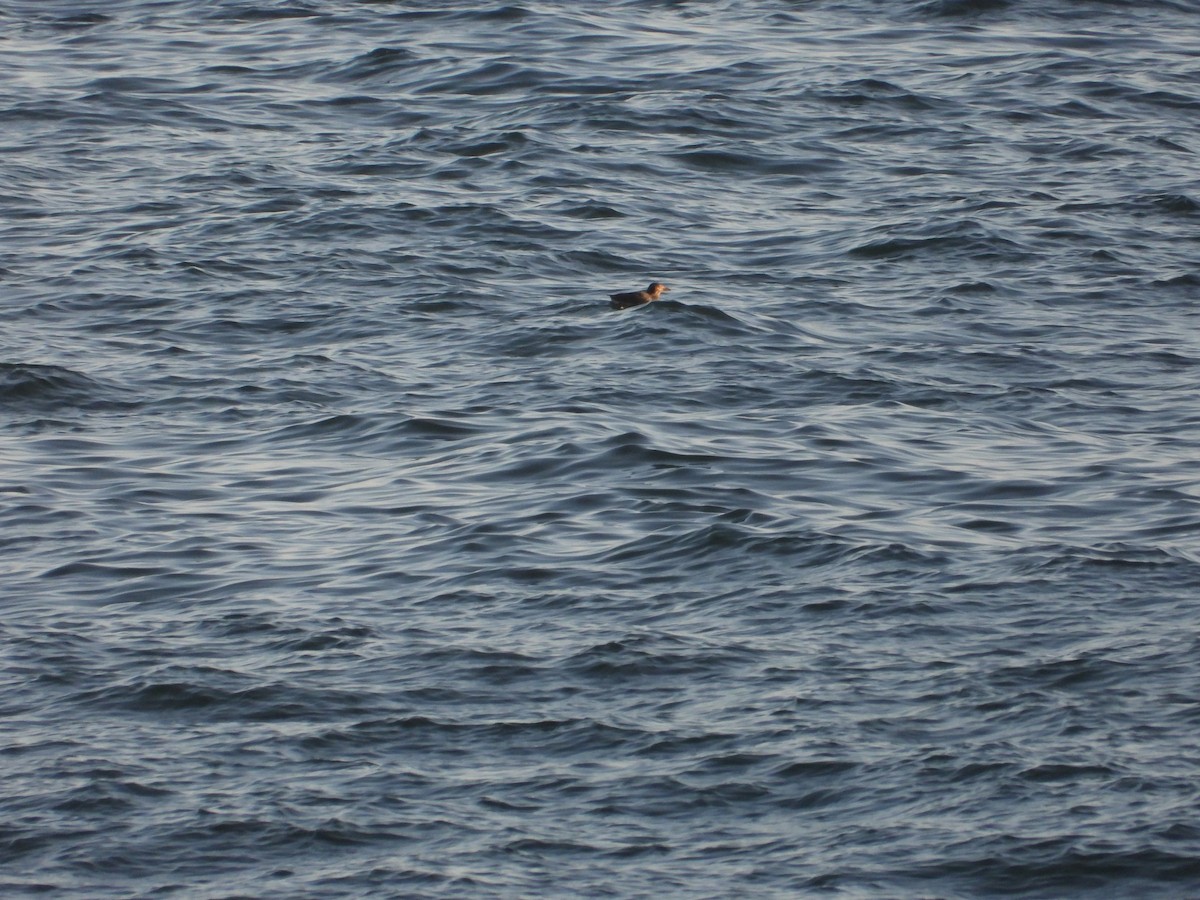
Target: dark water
[{"x": 352, "y": 547}]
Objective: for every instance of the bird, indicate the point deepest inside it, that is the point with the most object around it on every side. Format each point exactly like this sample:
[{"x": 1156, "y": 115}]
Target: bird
[{"x": 637, "y": 298}]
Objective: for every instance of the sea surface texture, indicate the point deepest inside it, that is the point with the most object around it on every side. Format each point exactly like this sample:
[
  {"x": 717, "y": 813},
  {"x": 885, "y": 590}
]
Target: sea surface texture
[{"x": 351, "y": 546}]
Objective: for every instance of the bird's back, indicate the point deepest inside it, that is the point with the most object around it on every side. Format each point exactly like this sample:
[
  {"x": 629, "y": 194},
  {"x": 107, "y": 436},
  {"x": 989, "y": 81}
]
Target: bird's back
[{"x": 631, "y": 298}]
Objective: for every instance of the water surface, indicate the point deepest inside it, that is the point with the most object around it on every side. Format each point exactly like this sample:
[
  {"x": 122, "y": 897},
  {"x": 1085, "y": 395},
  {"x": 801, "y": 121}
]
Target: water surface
[{"x": 353, "y": 547}]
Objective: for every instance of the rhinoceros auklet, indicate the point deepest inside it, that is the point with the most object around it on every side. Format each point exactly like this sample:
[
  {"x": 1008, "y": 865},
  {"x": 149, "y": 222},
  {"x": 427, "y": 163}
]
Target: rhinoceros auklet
[{"x": 637, "y": 298}]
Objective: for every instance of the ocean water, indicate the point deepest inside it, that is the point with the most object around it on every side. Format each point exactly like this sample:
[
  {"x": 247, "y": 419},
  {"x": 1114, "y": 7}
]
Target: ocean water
[{"x": 351, "y": 546}]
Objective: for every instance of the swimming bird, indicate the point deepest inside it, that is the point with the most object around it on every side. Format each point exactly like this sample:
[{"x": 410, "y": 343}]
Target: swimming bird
[{"x": 637, "y": 298}]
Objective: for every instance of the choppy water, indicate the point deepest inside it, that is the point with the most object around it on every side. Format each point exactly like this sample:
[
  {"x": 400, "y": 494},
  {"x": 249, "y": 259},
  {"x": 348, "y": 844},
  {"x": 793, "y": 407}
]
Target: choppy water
[{"x": 353, "y": 547}]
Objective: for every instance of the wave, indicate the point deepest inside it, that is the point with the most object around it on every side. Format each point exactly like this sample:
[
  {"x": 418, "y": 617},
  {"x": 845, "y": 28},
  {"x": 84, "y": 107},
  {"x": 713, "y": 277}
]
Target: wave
[{"x": 49, "y": 389}]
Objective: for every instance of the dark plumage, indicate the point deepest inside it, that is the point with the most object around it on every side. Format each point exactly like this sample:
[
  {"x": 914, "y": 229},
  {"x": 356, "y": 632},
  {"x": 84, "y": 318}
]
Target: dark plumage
[{"x": 637, "y": 298}]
